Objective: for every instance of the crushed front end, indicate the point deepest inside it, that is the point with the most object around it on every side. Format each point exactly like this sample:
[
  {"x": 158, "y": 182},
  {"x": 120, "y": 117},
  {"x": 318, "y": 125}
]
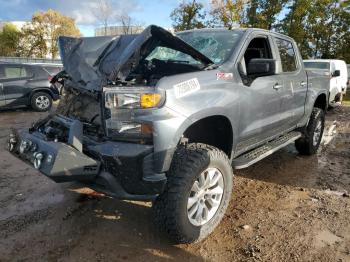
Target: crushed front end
[
  {"x": 71, "y": 148},
  {"x": 111, "y": 130}
]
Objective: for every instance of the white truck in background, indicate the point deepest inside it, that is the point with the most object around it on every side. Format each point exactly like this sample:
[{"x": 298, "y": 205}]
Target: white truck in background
[{"x": 338, "y": 76}]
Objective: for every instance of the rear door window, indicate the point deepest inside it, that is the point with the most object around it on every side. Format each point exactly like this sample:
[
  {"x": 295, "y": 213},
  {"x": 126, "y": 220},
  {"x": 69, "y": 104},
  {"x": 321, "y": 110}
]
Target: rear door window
[
  {"x": 287, "y": 54},
  {"x": 14, "y": 72}
]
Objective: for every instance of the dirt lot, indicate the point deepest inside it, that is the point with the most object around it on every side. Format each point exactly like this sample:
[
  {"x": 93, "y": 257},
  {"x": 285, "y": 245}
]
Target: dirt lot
[{"x": 284, "y": 208}]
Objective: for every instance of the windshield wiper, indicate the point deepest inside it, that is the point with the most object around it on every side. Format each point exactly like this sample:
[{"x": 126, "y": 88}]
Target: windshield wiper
[
  {"x": 178, "y": 61},
  {"x": 211, "y": 67}
]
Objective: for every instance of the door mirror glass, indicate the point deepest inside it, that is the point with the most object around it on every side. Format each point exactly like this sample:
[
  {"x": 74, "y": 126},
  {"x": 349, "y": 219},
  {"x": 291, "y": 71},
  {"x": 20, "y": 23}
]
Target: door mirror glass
[
  {"x": 336, "y": 73},
  {"x": 261, "y": 67}
]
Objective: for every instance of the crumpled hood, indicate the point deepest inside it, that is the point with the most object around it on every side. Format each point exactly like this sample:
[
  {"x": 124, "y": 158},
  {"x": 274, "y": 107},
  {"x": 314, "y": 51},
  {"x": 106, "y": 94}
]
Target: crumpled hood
[{"x": 92, "y": 61}]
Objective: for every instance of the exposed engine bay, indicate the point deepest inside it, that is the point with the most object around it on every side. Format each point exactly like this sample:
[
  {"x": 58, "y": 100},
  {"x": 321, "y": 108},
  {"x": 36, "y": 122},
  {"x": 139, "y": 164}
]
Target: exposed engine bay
[
  {"x": 92, "y": 63},
  {"x": 149, "y": 72}
]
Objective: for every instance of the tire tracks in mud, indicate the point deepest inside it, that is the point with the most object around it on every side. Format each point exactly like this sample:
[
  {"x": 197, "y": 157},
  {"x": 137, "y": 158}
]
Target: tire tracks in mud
[{"x": 19, "y": 223}]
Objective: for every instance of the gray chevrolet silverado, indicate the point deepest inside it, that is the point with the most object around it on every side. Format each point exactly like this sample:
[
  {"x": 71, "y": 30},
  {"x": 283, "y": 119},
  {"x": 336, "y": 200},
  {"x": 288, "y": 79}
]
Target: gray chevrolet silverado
[{"x": 165, "y": 118}]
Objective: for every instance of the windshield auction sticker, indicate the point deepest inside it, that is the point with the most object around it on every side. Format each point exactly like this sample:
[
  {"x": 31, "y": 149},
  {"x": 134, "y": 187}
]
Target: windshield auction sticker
[{"x": 187, "y": 87}]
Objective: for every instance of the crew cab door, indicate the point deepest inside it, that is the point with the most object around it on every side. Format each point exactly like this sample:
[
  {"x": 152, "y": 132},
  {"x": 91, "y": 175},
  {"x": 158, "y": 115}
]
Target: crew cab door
[
  {"x": 291, "y": 70},
  {"x": 14, "y": 79},
  {"x": 261, "y": 103}
]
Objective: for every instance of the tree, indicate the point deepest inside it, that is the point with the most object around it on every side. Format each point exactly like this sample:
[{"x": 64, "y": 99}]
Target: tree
[
  {"x": 267, "y": 12},
  {"x": 252, "y": 19},
  {"x": 330, "y": 28},
  {"x": 129, "y": 25},
  {"x": 188, "y": 15},
  {"x": 9, "y": 40},
  {"x": 104, "y": 13},
  {"x": 228, "y": 13},
  {"x": 33, "y": 42},
  {"x": 41, "y": 34},
  {"x": 320, "y": 28},
  {"x": 296, "y": 24}
]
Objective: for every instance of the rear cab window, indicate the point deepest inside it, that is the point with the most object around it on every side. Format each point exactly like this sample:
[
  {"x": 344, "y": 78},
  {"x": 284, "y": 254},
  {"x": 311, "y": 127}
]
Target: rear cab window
[
  {"x": 317, "y": 65},
  {"x": 287, "y": 54}
]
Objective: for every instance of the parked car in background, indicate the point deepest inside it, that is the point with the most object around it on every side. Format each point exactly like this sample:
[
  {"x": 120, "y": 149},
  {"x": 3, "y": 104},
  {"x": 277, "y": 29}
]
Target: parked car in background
[
  {"x": 338, "y": 76},
  {"x": 28, "y": 85}
]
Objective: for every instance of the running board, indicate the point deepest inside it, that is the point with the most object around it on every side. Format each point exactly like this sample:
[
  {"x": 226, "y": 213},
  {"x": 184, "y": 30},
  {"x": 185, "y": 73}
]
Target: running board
[{"x": 265, "y": 150}]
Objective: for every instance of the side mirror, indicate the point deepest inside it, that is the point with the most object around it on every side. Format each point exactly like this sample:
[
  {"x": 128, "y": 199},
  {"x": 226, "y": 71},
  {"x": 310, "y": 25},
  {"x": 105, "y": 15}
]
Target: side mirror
[
  {"x": 336, "y": 73},
  {"x": 261, "y": 67}
]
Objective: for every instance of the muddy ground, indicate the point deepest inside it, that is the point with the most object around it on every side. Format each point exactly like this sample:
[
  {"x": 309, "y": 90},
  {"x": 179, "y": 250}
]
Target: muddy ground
[{"x": 284, "y": 208}]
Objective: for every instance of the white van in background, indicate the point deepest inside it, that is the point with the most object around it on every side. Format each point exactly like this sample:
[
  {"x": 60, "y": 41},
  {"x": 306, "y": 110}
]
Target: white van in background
[{"x": 338, "y": 76}]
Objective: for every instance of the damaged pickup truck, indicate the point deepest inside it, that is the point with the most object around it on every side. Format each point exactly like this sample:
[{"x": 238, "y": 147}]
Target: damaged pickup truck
[{"x": 164, "y": 118}]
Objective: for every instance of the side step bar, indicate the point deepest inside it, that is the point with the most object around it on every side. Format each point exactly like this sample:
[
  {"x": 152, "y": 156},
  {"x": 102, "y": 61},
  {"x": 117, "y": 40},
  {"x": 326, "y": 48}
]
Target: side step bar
[{"x": 265, "y": 150}]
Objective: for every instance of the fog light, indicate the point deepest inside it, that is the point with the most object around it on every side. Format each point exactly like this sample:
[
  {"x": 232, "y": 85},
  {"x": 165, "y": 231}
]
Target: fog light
[
  {"x": 11, "y": 143},
  {"x": 38, "y": 157},
  {"x": 49, "y": 159},
  {"x": 33, "y": 147}
]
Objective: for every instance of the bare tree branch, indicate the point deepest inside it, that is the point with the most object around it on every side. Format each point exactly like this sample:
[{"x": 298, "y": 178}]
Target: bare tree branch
[{"x": 104, "y": 13}]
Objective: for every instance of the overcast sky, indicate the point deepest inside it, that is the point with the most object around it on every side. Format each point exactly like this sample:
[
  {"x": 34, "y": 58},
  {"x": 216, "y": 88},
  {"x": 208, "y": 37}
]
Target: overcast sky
[{"x": 147, "y": 11}]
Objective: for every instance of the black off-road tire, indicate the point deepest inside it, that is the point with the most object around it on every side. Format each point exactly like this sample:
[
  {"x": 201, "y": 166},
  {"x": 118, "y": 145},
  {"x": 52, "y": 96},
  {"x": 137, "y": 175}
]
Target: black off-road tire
[
  {"x": 44, "y": 95},
  {"x": 170, "y": 208},
  {"x": 304, "y": 144}
]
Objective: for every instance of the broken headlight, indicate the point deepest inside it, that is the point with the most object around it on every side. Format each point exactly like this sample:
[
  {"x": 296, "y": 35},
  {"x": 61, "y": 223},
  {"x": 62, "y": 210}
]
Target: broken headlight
[{"x": 120, "y": 107}]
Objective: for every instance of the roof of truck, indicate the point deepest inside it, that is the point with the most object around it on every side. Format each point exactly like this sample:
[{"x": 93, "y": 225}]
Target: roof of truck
[
  {"x": 323, "y": 60},
  {"x": 243, "y": 29}
]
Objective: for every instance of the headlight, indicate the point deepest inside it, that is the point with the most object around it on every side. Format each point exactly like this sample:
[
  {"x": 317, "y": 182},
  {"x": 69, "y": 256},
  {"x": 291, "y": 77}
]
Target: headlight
[
  {"x": 123, "y": 104},
  {"x": 115, "y": 99}
]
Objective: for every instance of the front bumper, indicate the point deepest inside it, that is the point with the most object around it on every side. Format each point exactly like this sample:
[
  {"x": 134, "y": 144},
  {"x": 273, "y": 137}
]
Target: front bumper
[{"x": 121, "y": 170}]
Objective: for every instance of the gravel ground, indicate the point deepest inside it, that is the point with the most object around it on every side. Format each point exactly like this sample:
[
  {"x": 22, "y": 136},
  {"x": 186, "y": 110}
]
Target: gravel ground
[{"x": 284, "y": 208}]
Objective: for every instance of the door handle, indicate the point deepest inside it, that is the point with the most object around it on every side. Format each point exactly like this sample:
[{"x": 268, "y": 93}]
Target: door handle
[
  {"x": 303, "y": 83},
  {"x": 277, "y": 86}
]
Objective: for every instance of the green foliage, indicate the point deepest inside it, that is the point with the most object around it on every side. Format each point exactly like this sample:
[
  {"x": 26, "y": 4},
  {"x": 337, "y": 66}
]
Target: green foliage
[
  {"x": 263, "y": 13},
  {"x": 188, "y": 15},
  {"x": 321, "y": 28},
  {"x": 228, "y": 13},
  {"x": 295, "y": 24},
  {"x": 41, "y": 34},
  {"x": 9, "y": 40}
]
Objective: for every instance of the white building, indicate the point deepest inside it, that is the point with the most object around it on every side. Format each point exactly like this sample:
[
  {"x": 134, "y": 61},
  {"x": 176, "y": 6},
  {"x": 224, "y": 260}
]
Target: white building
[
  {"x": 18, "y": 24},
  {"x": 118, "y": 30}
]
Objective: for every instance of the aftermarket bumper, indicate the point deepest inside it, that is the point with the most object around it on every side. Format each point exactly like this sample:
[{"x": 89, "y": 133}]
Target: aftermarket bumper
[{"x": 121, "y": 170}]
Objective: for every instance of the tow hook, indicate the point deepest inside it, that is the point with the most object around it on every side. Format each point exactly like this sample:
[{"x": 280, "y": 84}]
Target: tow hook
[{"x": 38, "y": 157}]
